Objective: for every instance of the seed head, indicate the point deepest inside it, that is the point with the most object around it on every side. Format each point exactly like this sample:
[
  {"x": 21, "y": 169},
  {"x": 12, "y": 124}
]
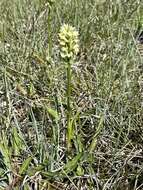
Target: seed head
[{"x": 68, "y": 40}]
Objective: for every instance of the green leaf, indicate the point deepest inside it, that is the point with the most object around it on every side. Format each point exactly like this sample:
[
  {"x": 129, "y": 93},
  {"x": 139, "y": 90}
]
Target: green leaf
[
  {"x": 49, "y": 174},
  {"x": 17, "y": 141},
  {"x": 71, "y": 165},
  {"x": 70, "y": 133},
  {"x": 79, "y": 171},
  {"x": 53, "y": 113},
  {"x": 6, "y": 153},
  {"x": 94, "y": 140},
  {"x": 25, "y": 165},
  {"x": 78, "y": 143}
]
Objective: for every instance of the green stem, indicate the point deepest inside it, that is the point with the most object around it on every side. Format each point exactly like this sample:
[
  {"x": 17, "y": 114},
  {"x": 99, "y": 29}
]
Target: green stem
[
  {"x": 69, "y": 127},
  {"x": 68, "y": 93}
]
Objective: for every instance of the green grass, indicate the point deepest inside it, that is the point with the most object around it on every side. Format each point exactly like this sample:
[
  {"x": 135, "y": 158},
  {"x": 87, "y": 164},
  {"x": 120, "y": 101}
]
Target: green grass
[{"x": 106, "y": 98}]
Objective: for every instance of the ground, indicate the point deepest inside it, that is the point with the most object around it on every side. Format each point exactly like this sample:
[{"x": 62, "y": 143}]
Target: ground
[{"x": 101, "y": 147}]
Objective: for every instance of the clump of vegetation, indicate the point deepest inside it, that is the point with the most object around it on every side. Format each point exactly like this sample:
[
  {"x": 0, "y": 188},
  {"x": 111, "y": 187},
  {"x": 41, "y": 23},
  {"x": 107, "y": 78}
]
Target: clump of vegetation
[{"x": 71, "y": 102}]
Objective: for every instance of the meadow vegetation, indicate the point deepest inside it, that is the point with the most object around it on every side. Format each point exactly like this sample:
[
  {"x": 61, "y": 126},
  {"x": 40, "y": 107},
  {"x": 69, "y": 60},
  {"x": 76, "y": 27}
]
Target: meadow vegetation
[{"x": 99, "y": 147}]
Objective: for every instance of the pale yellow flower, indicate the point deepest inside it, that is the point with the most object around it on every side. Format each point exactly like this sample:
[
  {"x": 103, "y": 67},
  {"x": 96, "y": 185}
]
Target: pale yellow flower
[{"x": 68, "y": 40}]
